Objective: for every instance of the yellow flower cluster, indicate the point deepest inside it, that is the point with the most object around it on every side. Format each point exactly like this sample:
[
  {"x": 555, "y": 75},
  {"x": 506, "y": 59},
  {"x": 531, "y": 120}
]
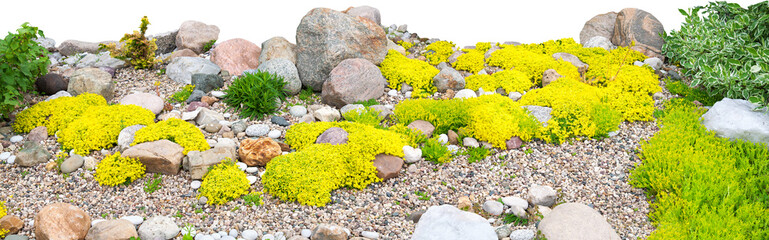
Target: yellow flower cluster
[
  {"x": 473, "y": 62},
  {"x": 405, "y": 45},
  {"x": 496, "y": 119},
  {"x": 99, "y": 126},
  {"x": 510, "y": 80},
  {"x": 310, "y": 174},
  {"x": 482, "y": 46},
  {"x": 57, "y": 113},
  {"x": 174, "y": 130},
  {"x": 398, "y": 69},
  {"x": 3, "y": 212},
  {"x": 114, "y": 170},
  {"x": 439, "y": 52},
  {"x": 532, "y": 63},
  {"x": 224, "y": 182}
]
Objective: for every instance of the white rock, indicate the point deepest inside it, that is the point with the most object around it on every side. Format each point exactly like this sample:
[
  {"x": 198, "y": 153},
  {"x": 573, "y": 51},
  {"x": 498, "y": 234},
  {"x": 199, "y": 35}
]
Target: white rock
[
  {"x": 654, "y": 62},
  {"x": 576, "y": 221},
  {"x": 250, "y": 234},
  {"x": 306, "y": 233},
  {"x": 448, "y": 222},
  {"x": 515, "y": 201},
  {"x": 218, "y": 94},
  {"x": 542, "y": 195},
  {"x": 453, "y": 149},
  {"x": 493, "y": 207},
  {"x": 216, "y": 236},
  {"x": 515, "y": 96},
  {"x": 268, "y": 237},
  {"x": 517, "y": 211},
  {"x": 242, "y": 166},
  {"x": 58, "y": 94},
  {"x": 327, "y": 114},
  {"x": 370, "y": 235},
  {"x": 16, "y": 139},
  {"x": 186, "y": 116},
  {"x": 470, "y": 142},
  {"x": 226, "y": 142},
  {"x": 252, "y": 169},
  {"x": 274, "y": 134},
  {"x": 136, "y": 220},
  {"x": 5, "y": 155},
  {"x": 227, "y": 115},
  {"x": 411, "y": 155},
  {"x": 227, "y": 238},
  {"x": 195, "y": 184},
  {"x": 522, "y": 234},
  {"x": 159, "y": 227},
  {"x": 11, "y": 159},
  {"x": 257, "y": 130},
  {"x": 211, "y": 142},
  {"x": 408, "y": 94},
  {"x": 443, "y": 138},
  {"x": 251, "y": 179},
  {"x": 392, "y": 93},
  {"x": 465, "y": 93},
  {"x": 735, "y": 119},
  {"x": 297, "y": 111},
  {"x": 233, "y": 233}
]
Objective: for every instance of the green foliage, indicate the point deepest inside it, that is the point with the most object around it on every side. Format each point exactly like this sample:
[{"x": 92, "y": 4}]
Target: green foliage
[
  {"x": 436, "y": 152},
  {"x": 445, "y": 115},
  {"x": 256, "y": 94},
  {"x": 509, "y": 218},
  {"x": 307, "y": 95},
  {"x": 368, "y": 116},
  {"x": 368, "y": 103},
  {"x": 398, "y": 69},
  {"x": 99, "y": 126},
  {"x": 57, "y": 113},
  {"x": 476, "y": 154},
  {"x": 209, "y": 45},
  {"x": 182, "y": 95},
  {"x": 723, "y": 48},
  {"x": 253, "y": 199},
  {"x": 439, "y": 52},
  {"x": 153, "y": 184},
  {"x": 689, "y": 93},
  {"x": 224, "y": 182},
  {"x": 422, "y": 195},
  {"x": 415, "y": 137},
  {"x": 704, "y": 186},
  {"x": 114, "y": 170},
  {"x": 136, "y": 48},
  {"x": 175, "y": 130},
  {"x": 188, "y": 230},
  {"x": 22, "y": 60}
]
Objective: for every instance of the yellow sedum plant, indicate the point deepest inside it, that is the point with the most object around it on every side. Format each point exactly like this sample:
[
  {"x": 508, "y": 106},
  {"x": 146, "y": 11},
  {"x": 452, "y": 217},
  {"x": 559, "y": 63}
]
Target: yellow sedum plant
[
  {"x": 495, "y": 119},
  {"x": 99, "y": 126},
  {"x": 473, "y": 62},
  {"x": 3, "y": 212},
  {"x": 532, "y": 63},
  {"x": 56, "y": 114},
  {"x": 175, "y": 130},
  {"x": 114, "y": 170},
  {"x": 509, "y": 80},
  {"x": 439, "y": 52},
  {"x": 398, "y": 69},
  {"x": 223, "y": 183}
]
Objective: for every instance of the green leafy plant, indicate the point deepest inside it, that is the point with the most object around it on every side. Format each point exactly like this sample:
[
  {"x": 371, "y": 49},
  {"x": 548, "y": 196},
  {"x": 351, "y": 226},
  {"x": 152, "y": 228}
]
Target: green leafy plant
[
  {"x": 182, "y": 95},
  {"x": 368, "y": 103},
  {"x": 255, "y": 94},
  {"x": 722, "y": 47},
  {"x": 307, "y": 95},
  {"x": 476, "y": 154},
  {"x": 691, "y": 94},
  {"x": 366, "y": 116},
  {"x": 422, "y": 195},
  {"x": 22, "y": 60},
  {"x": 188, "y": 231},
  {"x": 515, "y": 220},
  {"x": 436, "y": 152},
  {"x": 114, "y": 170},
  {"x": 253, "y": 199},
  {"x": 209, "y": 45},
  {"x": 137, "y": 49},
  {"x": 154, "y": 184}
]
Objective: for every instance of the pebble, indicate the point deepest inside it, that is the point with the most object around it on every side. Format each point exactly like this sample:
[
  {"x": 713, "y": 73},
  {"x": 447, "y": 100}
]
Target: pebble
[
  {"x": 227, "y": 238},
  {"x": 408, "y": 94},
  {"x": 493, "y": 207},
  {"x": 280, "y": 121},
  {"x": 16, "y": 139},
  {"x": 268, "y": 237},
  {"x": 306, "y": 233},
  {"x": 257, "y": 130},
  {"x": 5, "y": 155},
  {"x": 443, "y": 138},
  {"x": 211, "y": 142},
  {"x": 218, "y": 94},
  {"x": 370, "y": 235},
  {"x": 252, "y": 169},
  {"x": 251, "y": 179},
  {"x": 11, "y": 159},
  {"x": 250, "y": 234},
  {"x": 195, "y": 184},
  {"x": 216, "y": 236},
  {"x": 233, "y": 233},
  {"x": 522, "y": 234},
  {"x": 213, "y": 127},
  {"x": 227, "y": 115},
  {"x": 242, "y": 166},
  {"x": 274, "y": 134},
  {"x": 411, "y": 155},
  {"x": 136, "y": 220},
  {"x": 470, "y": 142},
  {"x": 298, "y": 111},
  {"x": 393, "y": 93}
]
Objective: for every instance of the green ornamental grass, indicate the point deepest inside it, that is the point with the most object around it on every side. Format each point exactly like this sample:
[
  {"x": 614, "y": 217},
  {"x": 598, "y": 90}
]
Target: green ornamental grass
[{"x": 255, "y": 95}]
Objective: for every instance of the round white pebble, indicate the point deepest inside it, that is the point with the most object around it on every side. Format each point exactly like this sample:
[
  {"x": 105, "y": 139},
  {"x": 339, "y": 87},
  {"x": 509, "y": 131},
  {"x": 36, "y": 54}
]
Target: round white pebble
[
  {"x": 250, "y": 234},
  {"x": 233, "y": 233},
  {"x": 268, "y": 237},
  {"x": 16, "y": 139},
  {"x": 216, "y": 235},
  {"x": 242, "y": 166},
  {"x": 227, "y": 238},
  {"x": 5, "y": 155},
  {"x": 251, "y": 179},
  {"x": 306, "y": 233},
  {"x": 393, "y": 93},
  {"x": 11, "y": 159},
  {"x": 252, "y": 169},
  {"x": 136, "y": 220},
  {"x": 195, "y": 184},
  {"x": 370, "y": 235},
  {"x": 274, "y": 134},
  {"x": 218, "y": 94},
  {"x": 443, "y": 138}
]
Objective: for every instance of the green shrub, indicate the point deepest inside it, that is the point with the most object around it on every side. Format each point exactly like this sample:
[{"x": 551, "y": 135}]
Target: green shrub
[
  {"x": 209, "y": 45},
  {"x": 22, "y": 60},
  {"x": 722, "y": 48},
  {"x": 255, "y": 94},
  {"x": 137, "y": 49},
  {"x": 436, "y": 152},
  {"x": 415, "y": 137},
  {"x": 704, "y": 186},
  {"x": 475, "y": 154},
  {"x": 182, "y": 95},
  {"x": 445, "y": 115},
  {"x": 691, "y": 94},
  {"x": 99, "y": 126},
  {"x": 368, "y": 103},
  {"x": 175, "y": 130},
  {"x": 368, "y": 116},
  {"x": 114, "y": 170},
  {"x": 253, "y": 199},
  {"x": 224, "y": 182}
]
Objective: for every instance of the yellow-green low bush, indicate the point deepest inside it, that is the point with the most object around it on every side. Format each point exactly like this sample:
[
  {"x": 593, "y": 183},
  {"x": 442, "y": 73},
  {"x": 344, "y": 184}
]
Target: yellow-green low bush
[
  {"x": 496, "y": 118},
  {"x": 57, "y": 113},
  {"x": 444, "y": 115},
  {"x": 509, "y": 80},
  {"x": 114, "y": 170},
  {"x": 174, "y": 130},
  {"x": 704, "y": 186},
  {"x": 532, "y": 63},
  {"x": 439, "y": 52},
  {"x": 471, "y": 61},
  {"x": 224, "y": 182},
  {"x": 3, "y": 212},
  {"x": 398, "y": 69},
  {"x": 99, "y": 126}
]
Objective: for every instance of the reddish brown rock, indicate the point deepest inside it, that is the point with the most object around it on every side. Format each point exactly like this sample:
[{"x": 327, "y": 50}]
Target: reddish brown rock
[
  {"x": 195, "y": 105},
  {"x": 353, "y": 80},
  {"x": 284, "y": 147},
  {"x": 333, "y": 136},
  {"x": 513, "y": 143},
  {"x": 194, "y": 35},
  {"x": 387, "y": 166},
  {"x": 160, "y": 156},
  {"x": 642, "y": 28},
  {"x": 182, "y": 53},
  {"x": 11, "y": 223},
  {"x": 209, "y": 100},
  {"x": 600, "y": 25},
  {"x": 61, "y": 221},
  {"x": 38, "y": 134},
  {"x": 118, "y": 229},
  {"x": 425, "y": 127},
  {"x": 236, "y": 55},
  {"x": 453, "y": 137},
  {"x": 258, "y": 152}
]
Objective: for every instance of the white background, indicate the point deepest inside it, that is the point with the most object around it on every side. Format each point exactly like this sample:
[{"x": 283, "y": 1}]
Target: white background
[{"x": 463, "y": 22}]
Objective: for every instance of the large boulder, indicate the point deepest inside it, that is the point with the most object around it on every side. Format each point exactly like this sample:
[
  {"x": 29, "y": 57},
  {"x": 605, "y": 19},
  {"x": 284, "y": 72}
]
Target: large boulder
[
  {"x": 61, "y": 221},
  {"x": 639, "y": 26},
  {"x": 735, "y": 119},
  {"x": 148, "y": 101},
  {"x": 600, "y": 25},
  {"x": 278, "y": 47},
  {"x": 193, "y": 35},
  {"x": 353, "y": 80},
  {"x": 326, "y": 37},
  {"x": 32, "y": 154},
  {"x": 366, "y": 12},
  {"x": 116, "y": 229},
  {"x": 447, "y": 222},
  {"x": 91, "y": 80},
  {"x": 181, "y": 68},
  {"x": 236, "y": 55},
  {"x": 160, "y": 156},
  {"x": 51, "y": 83},
  {"x": 576, "y": 221},
  {"x": 70, "y": 47},
  {"x": 199, "y": 162},
  {"x": 181, "y": 53},
  {"x": 258, "y": 152},
  {"x": 160, "y": 227},
  {"x": 286, "y": 69},
  {"x": 166, "y": 42}
]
